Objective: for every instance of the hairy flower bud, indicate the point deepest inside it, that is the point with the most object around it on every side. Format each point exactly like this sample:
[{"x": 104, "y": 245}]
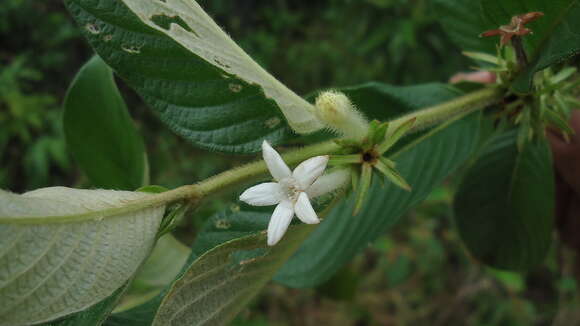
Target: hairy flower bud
[{"x": 340, "y": 115}]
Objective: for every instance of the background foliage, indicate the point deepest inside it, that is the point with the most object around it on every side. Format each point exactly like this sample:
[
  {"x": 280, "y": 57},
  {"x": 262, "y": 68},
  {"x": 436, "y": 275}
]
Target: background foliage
[{"x": 417, "y": 274}]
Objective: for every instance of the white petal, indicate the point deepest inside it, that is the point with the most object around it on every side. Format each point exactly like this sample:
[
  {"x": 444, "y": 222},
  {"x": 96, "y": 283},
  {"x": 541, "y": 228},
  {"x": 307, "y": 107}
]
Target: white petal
[
  {"x": 310, "y": 170},
  {"x": 278, "y": 169},
  {"x": 279, "y": 222},
  {"x": 264, "y": 194},
  {"x": 304, "y": 210},
  {"x": 328, "y": 182}
]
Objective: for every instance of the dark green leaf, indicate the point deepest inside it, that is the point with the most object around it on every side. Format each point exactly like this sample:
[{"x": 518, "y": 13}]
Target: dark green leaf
[
  {"x": 556, "y": 35},
  {"x": 93, "y": 316},
  {"x": 197, "y": 99},
  {"x": 463, "y": 21},
  {"x": 99, "y": 131},
  {"x": 221, "y": 282},
  {"x": 141, "y": 315},
  {"x": 505, "y": 205}
]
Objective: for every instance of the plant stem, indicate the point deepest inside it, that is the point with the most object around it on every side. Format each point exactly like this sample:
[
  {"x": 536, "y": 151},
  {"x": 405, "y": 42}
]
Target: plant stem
[
  {"x": 448, "y": 110},
  {"x": 196, "y": 192},
  {"x": 252, "y": 170}
]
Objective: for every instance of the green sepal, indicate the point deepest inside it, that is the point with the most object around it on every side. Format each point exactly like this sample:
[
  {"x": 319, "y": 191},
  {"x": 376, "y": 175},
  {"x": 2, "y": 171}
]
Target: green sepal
[
  {"x": 483, "y": 57},
  {"x": 355, "y": 178},
  {"x": 392, "y": 174},
  {"x": 557, "y": 121},
  {"x": 173, "y": 215},
  {"x": 392, "y": 139},
  {"x": 366, "y": 178},
  {"x": 380, "y": 133},
  {"x": 344, "y": 159},
  {"x": 562, "y": 75}
]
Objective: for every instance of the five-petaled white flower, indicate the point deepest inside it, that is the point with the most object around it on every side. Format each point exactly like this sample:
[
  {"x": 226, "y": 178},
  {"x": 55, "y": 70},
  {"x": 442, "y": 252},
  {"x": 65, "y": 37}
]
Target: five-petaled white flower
[{"x": 291, "y": 191}]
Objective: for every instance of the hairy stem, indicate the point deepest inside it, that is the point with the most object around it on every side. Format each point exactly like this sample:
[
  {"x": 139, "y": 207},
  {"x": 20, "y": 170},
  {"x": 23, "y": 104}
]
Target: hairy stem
[
  {"x": 448, "y": 110},
  {"x": 231, "y": 178}
]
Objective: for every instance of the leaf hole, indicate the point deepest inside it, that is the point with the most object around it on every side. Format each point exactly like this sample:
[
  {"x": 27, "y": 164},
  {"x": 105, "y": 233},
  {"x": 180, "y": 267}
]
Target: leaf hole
[
  {"x": 132, "y": 49},
  {"x": 236, "y": 88},
  {"x": 165, "y": 22},
  {"x": 93, "y": 29},
  {"x": 220, "y": 63},
  {"x": 223, "y": 224}
]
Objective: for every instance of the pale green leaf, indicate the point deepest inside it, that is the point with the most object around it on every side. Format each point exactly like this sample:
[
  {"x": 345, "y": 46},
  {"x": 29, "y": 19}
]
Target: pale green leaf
[
  {"x": 49, "y": 270},
  {"x": 99, "y": 131}
]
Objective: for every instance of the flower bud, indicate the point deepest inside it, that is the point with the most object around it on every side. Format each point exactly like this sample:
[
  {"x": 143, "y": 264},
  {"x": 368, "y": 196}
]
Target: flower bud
[{"x": 338, "y": 113}]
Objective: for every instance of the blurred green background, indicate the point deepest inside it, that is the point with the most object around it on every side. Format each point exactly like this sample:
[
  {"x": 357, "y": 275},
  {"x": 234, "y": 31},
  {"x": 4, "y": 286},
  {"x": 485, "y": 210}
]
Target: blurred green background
[{"x": 418, "y": 274}]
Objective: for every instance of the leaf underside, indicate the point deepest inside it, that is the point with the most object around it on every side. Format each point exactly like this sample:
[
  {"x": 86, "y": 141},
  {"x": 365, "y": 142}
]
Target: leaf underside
[{"x": 52, "y": 270}]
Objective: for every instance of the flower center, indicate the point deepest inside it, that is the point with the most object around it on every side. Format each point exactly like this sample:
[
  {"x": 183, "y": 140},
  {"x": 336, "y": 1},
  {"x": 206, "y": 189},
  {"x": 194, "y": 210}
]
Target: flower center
[
  {"x": 290, "y": 188},
  {"x": 370, "y": 156}
]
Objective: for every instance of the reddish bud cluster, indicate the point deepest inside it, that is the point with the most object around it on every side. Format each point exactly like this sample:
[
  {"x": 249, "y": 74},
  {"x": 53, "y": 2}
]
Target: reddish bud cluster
[{"x": 515, "y": 28}]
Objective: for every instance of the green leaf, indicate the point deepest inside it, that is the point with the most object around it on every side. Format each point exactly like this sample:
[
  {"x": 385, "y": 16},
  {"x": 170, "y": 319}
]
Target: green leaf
[
  {"x": 223, "y": 275},
  {"x": 556, "y": 35},
  {"x": 504, "y": 207},
  {"x": 99, "y": 131},
  {"x": 164, "y": 263},
  {"x": 50, "y": 270},
  {"x": 141, "y": 315},
  {"x": 463, "y": 21},
  {"x": 202, "y": 85},
  {"x": 233, "y": 226},
  {"x": 222, "y": 281},
  {"x": 95, "y": 315}
]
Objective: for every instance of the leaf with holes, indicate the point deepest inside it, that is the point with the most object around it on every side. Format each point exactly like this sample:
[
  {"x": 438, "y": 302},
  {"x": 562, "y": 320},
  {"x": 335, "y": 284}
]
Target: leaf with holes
[
  {"x": 504, "y": 207},
  {"x": 99, "y": 131},
  {"x": 50, "y": 268},
  {"x": 186, "y": 68}
]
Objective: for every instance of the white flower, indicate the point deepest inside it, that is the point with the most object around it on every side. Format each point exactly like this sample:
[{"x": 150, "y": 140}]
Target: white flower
[{"x": 290, "y": 192}]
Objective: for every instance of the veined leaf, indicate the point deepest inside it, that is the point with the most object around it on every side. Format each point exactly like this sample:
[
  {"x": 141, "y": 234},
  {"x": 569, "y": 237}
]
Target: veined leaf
[
  {"x": 505, "y": 205},
  {"x": 50, "y": 270},
  {"x": 222, "y": 281},
  {"x": 99, "y": 131},
  {"x": 187, "y": 69},
  {"x": 231, "y": 249}
]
